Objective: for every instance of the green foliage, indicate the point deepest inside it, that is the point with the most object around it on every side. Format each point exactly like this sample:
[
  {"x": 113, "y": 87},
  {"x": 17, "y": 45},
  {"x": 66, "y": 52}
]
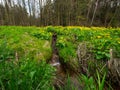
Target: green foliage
[
  {"x": 101, "y": 49},
  {"x": 61, "y": 42},
  {"x": 32, "y": 44},
  {"x": 67, "y": 50},
  {"x": 101, "y": 83},
  {"x": 5, "y": 52},
  {"x": 67, "y": 53},
  {"x": 87, "y": 82},
  {"x": 51, "y": 29},
  {"x": 42, "y": 35},
  {"x": 69, "y": 85},
  {"x": 27, "y": 74},
  {"x": 22, "y": 41}
]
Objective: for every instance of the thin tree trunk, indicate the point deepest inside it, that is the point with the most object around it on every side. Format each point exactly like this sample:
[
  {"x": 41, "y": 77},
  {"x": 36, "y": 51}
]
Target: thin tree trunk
[
  {"x": 6, "y": 13},
  {"x": 96, "y": 5},
  {"x": 89, "y": 8},
  {"x": 41, "y": 10},
  {"x": 1, "y": 14},
  {"x": 29, "y": 6}
]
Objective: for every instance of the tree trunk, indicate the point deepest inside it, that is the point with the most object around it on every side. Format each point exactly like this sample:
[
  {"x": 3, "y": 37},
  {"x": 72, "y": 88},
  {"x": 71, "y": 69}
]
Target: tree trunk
[{"x": 96, "y": 5}]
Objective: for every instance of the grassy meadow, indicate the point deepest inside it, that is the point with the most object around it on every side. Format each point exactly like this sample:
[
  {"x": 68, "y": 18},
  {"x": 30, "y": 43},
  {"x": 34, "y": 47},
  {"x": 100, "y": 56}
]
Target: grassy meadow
[{"x": 24, "y": 52}]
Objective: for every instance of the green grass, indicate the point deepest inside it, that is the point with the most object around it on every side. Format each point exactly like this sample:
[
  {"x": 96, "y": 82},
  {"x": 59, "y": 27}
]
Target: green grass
[{"x": 25, "y": 74}]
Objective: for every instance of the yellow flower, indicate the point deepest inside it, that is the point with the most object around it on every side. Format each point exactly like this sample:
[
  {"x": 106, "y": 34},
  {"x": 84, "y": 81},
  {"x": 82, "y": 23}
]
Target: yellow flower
[
  {"x": 99, "y": 37},
  {"x": 118, "y": 42}
]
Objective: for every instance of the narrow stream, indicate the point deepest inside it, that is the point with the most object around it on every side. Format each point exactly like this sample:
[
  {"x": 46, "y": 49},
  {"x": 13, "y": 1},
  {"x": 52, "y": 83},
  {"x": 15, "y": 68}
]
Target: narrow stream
[{"x": 61, "y": 74}]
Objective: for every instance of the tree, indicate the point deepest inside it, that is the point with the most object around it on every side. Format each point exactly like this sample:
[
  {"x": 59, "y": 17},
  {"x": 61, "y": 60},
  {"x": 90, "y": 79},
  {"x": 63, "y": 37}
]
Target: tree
[{"x": 60, "y": 12}]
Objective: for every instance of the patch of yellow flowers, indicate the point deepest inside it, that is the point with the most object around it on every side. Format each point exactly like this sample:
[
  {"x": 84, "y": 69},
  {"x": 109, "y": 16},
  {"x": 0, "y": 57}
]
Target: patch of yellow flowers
[{"x": 99, "y": 37}]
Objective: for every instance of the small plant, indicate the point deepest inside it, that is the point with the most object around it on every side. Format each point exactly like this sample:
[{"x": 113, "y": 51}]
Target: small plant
[
  {"x": 87, "y": 82},
  {"x": 99, "y": 82}
]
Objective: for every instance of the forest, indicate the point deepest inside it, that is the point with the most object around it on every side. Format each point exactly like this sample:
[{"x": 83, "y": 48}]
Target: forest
[
  {"x": 59, "y": 44},
  {"x": 60, "y": 12}
]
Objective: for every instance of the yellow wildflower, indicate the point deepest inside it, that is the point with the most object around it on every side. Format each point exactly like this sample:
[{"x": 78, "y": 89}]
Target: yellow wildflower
[
  {"x": 99, "y": 37},
  {"x": 118, "y": 42}
]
